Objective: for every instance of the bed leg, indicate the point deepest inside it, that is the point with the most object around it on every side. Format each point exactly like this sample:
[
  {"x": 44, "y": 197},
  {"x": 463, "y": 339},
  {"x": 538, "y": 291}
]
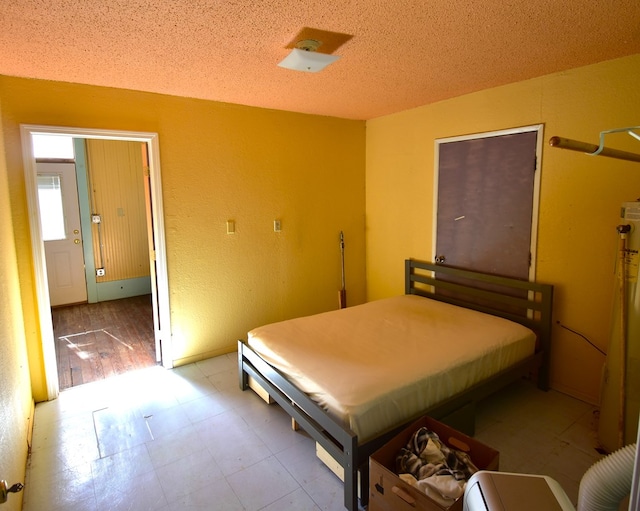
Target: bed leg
[
  {"x": 543, "y": 378},
  {"x": 351, "y": 476},
  {"x": 243, "y": 378},
  {"x": 364, "y": 484},
  {"x": 294, "y": 425},
  {"x": 350, "y": 489}
]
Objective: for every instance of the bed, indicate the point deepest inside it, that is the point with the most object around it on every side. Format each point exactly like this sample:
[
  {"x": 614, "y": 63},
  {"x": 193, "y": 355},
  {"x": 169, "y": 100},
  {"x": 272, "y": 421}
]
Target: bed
[{"x": 352, "y": 378}]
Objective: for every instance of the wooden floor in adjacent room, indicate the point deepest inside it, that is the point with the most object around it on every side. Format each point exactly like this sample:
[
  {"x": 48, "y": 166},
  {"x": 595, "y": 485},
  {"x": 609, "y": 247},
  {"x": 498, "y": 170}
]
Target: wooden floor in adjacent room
[{"x": 95, "y": 341}]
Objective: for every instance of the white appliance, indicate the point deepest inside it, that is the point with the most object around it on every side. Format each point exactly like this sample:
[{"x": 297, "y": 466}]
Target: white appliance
[
  {"x": 604, "y": 487},
  {"x": 620, "y": 395},
  {"x": 503, "y": 491}
]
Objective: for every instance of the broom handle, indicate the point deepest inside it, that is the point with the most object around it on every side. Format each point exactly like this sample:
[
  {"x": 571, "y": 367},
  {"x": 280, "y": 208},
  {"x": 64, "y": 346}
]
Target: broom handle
[{"x": 342, "y": 296}]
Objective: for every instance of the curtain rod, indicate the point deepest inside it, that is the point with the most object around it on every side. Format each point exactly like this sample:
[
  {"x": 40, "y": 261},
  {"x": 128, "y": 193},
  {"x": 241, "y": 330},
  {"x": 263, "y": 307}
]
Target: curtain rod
[{"x": 597, "y": 150}]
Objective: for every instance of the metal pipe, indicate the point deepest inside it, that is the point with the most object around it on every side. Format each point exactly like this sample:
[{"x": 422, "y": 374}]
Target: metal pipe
[
  {"x": 623, "y": 230},
  {"x": 583, "y": 147}
]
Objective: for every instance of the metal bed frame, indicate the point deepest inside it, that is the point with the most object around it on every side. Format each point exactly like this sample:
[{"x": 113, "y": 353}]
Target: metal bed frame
[{"x": 528, "y": 303}]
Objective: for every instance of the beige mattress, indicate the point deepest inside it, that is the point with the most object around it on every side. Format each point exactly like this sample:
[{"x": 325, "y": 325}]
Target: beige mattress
[{"x": 377, "y": 364}]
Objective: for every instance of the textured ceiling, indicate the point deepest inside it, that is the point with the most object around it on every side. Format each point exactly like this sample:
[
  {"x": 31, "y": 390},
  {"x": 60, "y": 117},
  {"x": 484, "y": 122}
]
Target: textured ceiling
[{"x": 403, "y": 53}]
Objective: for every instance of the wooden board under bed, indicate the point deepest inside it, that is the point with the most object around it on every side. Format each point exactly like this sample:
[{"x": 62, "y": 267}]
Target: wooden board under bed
[{"x": 524, "y": 302}]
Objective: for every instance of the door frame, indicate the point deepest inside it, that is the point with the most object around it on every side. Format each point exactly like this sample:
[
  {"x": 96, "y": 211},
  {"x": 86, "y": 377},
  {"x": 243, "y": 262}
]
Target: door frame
[
  {"x": 536, "y": 183},
  {"x": 162, "y": 316}
]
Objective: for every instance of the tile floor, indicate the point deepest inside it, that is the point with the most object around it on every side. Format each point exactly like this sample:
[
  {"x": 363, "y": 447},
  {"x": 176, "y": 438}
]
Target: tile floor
[{"x": 189, "y": 439}]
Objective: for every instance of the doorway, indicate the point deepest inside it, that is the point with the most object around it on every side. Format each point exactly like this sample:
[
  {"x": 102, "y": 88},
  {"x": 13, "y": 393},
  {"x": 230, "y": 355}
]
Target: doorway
[
  {"x": 98, "y": 273},
  {"x": 157, "y": 251}
]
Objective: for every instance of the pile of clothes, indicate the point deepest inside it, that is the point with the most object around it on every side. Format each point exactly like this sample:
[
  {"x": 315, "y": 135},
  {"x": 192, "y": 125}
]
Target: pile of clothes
[{"x": 436, "y": 469}]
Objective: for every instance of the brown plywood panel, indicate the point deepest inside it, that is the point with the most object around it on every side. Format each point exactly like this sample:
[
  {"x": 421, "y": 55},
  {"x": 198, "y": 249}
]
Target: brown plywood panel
[
  {"x": 117, "y": 194},
  {"x": 485, "y": 203},
  {"x": 330, "y": 41}
]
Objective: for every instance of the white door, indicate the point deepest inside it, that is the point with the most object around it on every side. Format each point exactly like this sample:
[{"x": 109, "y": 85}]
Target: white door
[{"x": 61, "y": 232}]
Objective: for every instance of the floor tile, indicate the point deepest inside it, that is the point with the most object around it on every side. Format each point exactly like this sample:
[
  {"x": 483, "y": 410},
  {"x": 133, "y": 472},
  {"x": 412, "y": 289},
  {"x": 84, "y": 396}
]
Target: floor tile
[
  {"x": 236, "y": 450},
  {"x": 120, "y": 467},
  {"x": 65, "y": 455},
  {"x": 171, "y": 448},
  {"x": 212, "y": 430},
  {"x": 216, "y": 365},
  {"x": 188, "y": 474},
  {"x": 301, "y": 461},
  {"x": 60, "y": 489},
  {"x": 262, "y": 484},
  {"x": 118, "y": 430},
  {"x": 186, "y": 389},
  {"x": 218, "y": 495},
  {"x": 190, "y": 439},
  {"x": 166, "y": 422},
  {"x": 140, "y": 492},
  {"x": 326, "y": 490},
  {"x": 204, "y": 407},
  {"x": 297, "y": 500}
]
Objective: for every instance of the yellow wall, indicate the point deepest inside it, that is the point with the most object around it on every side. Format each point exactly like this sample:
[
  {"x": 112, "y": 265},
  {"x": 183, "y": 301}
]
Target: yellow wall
[
  {"x": 580, "y": 195},
  {"x": 218, "y": 162},
  {"x": 222, "y": 162},
  {"x": 15, "y": 389}
]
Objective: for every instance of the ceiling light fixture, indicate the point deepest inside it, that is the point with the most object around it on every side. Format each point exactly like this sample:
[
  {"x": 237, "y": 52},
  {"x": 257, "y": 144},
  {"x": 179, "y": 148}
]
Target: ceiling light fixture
[{"x": 304, "y": 57}]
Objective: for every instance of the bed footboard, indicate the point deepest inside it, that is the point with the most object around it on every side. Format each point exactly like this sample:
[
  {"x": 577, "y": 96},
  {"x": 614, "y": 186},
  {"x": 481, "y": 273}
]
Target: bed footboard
[{"x": 339, "y": 441}]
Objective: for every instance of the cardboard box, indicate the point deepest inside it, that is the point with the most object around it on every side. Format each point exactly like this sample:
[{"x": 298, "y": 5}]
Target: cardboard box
[{"x": 387, "y": 492}]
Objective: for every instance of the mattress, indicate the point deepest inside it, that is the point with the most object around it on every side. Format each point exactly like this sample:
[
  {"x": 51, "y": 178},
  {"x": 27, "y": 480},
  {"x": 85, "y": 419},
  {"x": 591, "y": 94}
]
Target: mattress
[{"x": 375, "y": 365}]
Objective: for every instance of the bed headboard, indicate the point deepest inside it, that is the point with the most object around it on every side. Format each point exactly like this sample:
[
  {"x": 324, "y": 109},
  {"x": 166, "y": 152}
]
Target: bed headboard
[{"x": 527, "y": 303}]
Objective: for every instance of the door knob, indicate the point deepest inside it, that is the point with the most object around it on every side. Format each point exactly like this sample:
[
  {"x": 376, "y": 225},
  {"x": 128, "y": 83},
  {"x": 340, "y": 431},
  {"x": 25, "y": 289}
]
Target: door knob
[
  {"x": 76, "y": 241},
  {"x": 4, "y": 490},
  {"x": 76, "y": 231},
  {"x": 440, "y": 259}
]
